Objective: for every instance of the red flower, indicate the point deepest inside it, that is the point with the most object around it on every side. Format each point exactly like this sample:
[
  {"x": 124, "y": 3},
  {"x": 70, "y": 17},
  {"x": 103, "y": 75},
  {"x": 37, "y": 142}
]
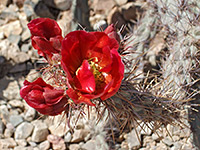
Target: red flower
[
  {"x": 46, "y": 36},
  {"x": 43, "y": 97},
  {"x": 93, "y": 66}
]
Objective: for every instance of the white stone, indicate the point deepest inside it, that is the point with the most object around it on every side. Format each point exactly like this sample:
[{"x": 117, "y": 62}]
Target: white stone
[
  {"x": 23, "y": 131},
  {"x": 40, "y": 131},
  {"x": 11, "y": 28}
]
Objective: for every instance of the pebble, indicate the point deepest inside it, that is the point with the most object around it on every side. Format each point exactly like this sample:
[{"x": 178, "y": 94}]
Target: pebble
[
  {"x": 14, "y": 38},
  {"x": 68, "y": 137},
  {"x": 121, "y": 2},
  {"x": 12, "y": 91},
  {"x": 132, "y": 139},
  {"x": 18, "y": 68},
  {"x": 25, "y": 47},
  {"x": 63, "y": 4},
  {"x": 59, "y": 129},
  {"x": 23, "y": 131},
  {"x": 16, "y": 104},
  {"x": 30, "y": 114},
  {"x": 40, "y": 131},
  {"x": 168, "y": 141},
  {"x": 129, "y": 11},
  {"x": 21, "y": 142},
  {"x": 79, "y": 135},
  {"x": 45, "y": 145},
  {"x": 74, "y": 147},
  {"x": 7, "y": 143},
  {"x": 13, "y": 27},
  {"x": 9, "y": 130},
  {"x": 57, "y": 142},
  {"x": 144, "y": 129},
  {"x": 15, "y": 120}
]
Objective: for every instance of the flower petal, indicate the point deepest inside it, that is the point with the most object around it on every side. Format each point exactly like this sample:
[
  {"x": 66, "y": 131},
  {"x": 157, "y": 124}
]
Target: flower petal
[
  {"x": 117, "y": 73},
  {"x": 85, "y": 78}
]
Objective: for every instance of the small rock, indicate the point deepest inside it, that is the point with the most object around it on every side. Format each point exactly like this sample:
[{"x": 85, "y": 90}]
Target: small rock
[
  {"x": 102, "y": 6},
  {"x": 32, "y": 144},
  {"x": 162, "y": 146},
  {"x": 100, "y": 25},
  {"x": 12, "y": 91},
  {"x": 129, "y": 11},
  {"x": 15, "y": 120},
  {"x": 132, "y": 139},
  {"x": 11, "y": 28},
  {"x": 124, "y": 145},
  {"x": 16, "y": 104},
  {"x": 42, "y": 10},
  {"x": 9, "y": 130},
  {"x": 18, "y": 68},
  {"x": 74, "y": 147},
  {"x": 28, "y": 9},
  {"x": 79, "y": 135},
  {"x": 63, "y": 4},
  {"x": 115, "y": 17},
  {"x": 68, "y": 137},
  {"x": 25, "y": 47},
  {"x": 4, "y": 113},
  {"x": 168, "y": 141},
  {"x": 59, "y": 130},
  {"x": 14, "y": 38},
  {"x": 22, "y": 148},
  {"x": 121, "y": 2},
  {"x": 44, "y": 145},
  {"x": 143, "y": 128},
  {"x": 30, "y": 114},
  {"x": 175, "y": 138},
  {"x": 157, "y": 136},
  {"x": 40, "y": 131},
  {"x": 23, "y": 131},
  {"x": 90, "y": 145},
  {"x": 7, "y": 143},
  {"x": 185, "y": 133},
  {"x": 21, "y": 142},
  {"x": 95, "y": 144},
  {"x": 57, "y": 142},
  {"x": 148, "y": 141},
  {"x": 25, "y": 35}
]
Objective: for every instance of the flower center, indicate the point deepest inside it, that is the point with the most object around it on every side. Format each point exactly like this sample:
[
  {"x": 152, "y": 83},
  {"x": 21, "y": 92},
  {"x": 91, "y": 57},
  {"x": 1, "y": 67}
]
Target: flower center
[{"x": 99, "y": 76}]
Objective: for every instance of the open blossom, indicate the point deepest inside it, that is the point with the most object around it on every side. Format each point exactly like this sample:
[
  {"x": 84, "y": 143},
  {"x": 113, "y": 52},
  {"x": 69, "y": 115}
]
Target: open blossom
[
  {"x": 46, "y": 36},
  {"x": 92, "y": 64},
  {"x": 43, "y": 97},
  {"x": 89, "y": 62}
]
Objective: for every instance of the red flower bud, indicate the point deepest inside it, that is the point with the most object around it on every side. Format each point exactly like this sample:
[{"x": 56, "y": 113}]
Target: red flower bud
[
  {"x": 43, "y": 97},
  {"x": 46, "y": 36}
]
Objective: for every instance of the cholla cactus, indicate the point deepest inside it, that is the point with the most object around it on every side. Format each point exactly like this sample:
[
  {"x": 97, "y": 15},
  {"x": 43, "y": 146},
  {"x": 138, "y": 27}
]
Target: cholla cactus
[{"x": 163, "y": 94}]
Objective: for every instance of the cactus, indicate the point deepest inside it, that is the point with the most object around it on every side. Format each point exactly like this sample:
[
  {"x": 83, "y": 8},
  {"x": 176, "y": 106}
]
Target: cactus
[{"x": 163, "y": 95}]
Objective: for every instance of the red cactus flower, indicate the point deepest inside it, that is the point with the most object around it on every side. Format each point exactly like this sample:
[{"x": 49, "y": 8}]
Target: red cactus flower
[
  {"x": 46, "y": 36},
  {"x": 43, "y": 97},
  {"x": 92, "y": 64}
]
